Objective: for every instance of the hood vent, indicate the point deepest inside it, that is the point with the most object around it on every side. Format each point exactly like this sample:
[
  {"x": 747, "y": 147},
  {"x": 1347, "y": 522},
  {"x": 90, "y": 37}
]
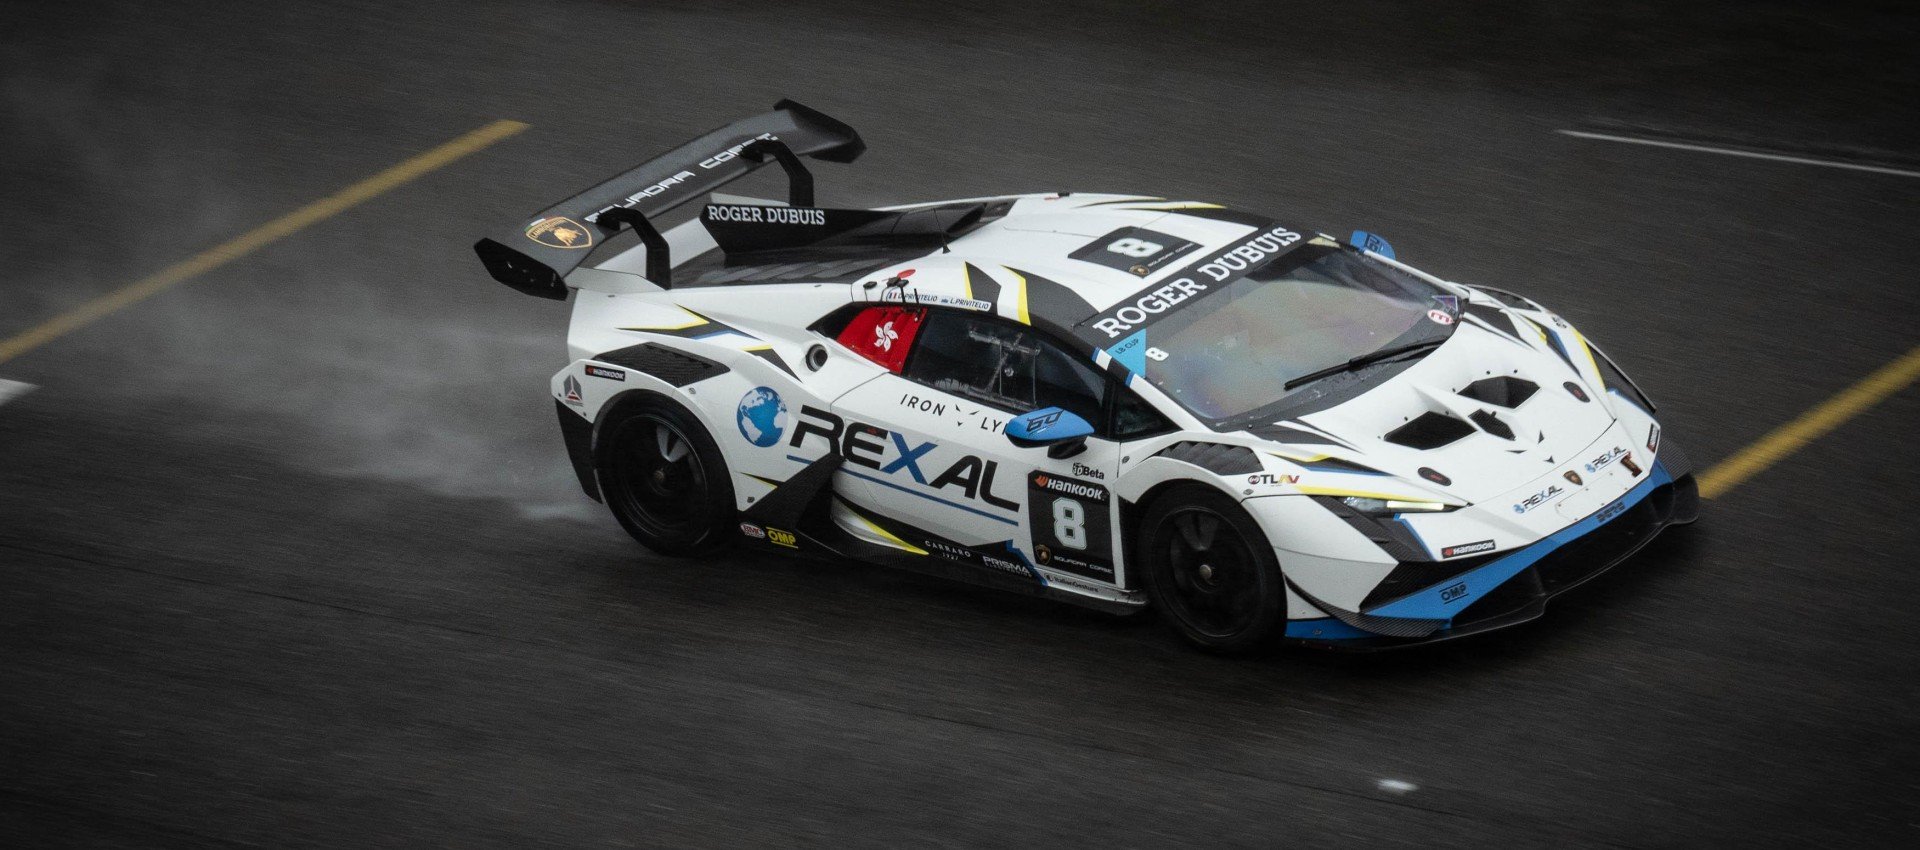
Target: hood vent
[
  {"x": 1504, "y": 391},
  {"x": 1429, "y": 431},
  {"x": 1492, "y": 424}
]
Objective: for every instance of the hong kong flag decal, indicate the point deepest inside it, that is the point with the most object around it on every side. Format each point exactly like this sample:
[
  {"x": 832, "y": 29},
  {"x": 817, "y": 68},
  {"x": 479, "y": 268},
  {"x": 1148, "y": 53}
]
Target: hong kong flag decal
[{"x": 884, "y": 334}]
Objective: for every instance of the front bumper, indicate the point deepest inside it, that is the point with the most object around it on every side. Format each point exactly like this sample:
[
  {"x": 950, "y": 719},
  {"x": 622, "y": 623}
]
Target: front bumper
[{"x": 1514, "y": 588}]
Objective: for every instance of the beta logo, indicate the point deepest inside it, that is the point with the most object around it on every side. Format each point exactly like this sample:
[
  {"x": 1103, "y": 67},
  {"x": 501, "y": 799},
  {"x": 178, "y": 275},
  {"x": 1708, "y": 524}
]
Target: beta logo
[
  {"x": 779, "y": 537},
  {"x": 1439, "y": 317},
  {"x": 761, "y": 416},
  {"x": 753, "y": 531}
]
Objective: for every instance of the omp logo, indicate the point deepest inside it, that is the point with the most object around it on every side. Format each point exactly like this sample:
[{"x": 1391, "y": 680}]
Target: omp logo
[
  {"x": 1453, "y": 594},
  {"x": 779, "y": 537}
]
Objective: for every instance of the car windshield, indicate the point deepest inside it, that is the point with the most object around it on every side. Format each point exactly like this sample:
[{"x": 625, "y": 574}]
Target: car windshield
[{"x": 1232, "y": 352}]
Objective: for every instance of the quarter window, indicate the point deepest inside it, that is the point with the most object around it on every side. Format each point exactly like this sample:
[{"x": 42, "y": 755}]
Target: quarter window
[{"x": 1005, "y": 365}]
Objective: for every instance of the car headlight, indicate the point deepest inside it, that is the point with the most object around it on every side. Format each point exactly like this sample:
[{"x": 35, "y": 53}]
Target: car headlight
[{"x": 1387, "y": 507}]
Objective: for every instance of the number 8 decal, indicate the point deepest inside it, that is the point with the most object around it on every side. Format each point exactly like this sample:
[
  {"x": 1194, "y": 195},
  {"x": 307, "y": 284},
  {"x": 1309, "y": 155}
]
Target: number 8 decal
[
  {"x": 1135, "y": 248},
  {"x": 1069, "y": 523}
]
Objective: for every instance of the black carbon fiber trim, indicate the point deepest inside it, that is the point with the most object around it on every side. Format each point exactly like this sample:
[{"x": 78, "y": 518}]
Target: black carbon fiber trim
[
  {"x": 1402, "y": 627},
  {"x": 1496, "y": 319},
  {"x": 671, "y": 365},
  {"x": 982, "y": 285},
  {"x": 578, "y": 434},
  {"x": 1413, "y": 576},
  {"x": 773, "y": 357},
  {"x": 1283, "y": 433},
  {"x": 1675, "y": 459},
  {"x": 1214, "y": 457},
  {"x": 1392, "y": 537}
]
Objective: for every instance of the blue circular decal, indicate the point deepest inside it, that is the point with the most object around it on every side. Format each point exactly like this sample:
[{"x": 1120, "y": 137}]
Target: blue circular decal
[{"x": 762, "y": 416}]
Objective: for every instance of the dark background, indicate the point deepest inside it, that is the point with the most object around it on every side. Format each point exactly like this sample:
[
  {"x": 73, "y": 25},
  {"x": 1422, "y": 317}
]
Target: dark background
[{"x": 290, "y": 554}]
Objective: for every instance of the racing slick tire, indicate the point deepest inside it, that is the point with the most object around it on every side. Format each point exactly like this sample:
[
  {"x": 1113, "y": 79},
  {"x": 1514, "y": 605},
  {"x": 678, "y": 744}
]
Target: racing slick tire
[
  {"x": 1210, "y": 570},
  {"x": 664, "y": 477}
]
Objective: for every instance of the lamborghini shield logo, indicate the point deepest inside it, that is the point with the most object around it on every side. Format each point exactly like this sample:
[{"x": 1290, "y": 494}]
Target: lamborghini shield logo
[
  {"x": 560, "y": 232},
  {"x": 1573, "y": 477}
]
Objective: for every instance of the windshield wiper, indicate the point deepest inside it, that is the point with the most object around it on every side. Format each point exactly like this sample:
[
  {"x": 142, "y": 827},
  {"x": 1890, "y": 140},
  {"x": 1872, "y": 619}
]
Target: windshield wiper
[{"x": 1367, "y": 359}]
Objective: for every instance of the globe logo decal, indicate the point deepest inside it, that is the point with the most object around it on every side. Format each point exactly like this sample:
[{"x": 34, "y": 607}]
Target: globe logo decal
[{"x": 762, "y": 416}]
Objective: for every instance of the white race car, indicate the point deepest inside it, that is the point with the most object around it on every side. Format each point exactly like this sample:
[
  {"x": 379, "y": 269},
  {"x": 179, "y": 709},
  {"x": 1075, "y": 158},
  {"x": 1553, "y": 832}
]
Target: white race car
[{"x": 1112, "y": 400}]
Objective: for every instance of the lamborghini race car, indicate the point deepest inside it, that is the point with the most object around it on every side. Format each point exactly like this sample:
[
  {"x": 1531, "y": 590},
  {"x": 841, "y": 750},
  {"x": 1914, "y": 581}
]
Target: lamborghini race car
[{"x": 1113, "y": 400}]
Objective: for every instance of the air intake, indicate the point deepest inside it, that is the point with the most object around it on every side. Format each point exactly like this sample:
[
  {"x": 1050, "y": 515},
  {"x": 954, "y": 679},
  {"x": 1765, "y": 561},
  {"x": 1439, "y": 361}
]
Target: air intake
[
  {"x": 1429, "y": 431},
  {"x": 1492, "y": 424},
  {"x": 1504, "y": 391}
]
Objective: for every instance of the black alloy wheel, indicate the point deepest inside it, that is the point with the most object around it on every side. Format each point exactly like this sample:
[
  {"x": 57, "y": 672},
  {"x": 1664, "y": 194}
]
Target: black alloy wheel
[
  {"x": 665, "y": 480},
  {"x": 1211, "y": 571}
]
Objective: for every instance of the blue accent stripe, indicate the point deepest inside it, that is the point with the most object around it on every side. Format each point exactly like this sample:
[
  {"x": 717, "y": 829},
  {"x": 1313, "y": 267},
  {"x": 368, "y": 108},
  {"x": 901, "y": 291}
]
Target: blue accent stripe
[
  {"x": 968, "y": 509},
  {"x": 1415, "y": 532},
  {"x": 1325, "y": 628},
  {"x": 1427, "y": 604}
]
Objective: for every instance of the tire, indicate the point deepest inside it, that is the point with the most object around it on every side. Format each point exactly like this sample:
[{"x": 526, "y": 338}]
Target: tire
[
  {"x": 664, "y": 478},
  {"x": 1210, "y": 570}
]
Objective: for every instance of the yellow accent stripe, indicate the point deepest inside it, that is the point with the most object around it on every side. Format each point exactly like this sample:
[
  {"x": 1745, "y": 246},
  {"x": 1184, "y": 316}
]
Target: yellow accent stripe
[
  {"x": 876, "y": 529},
  {"x": 1020, "y": 301},
  {"x": 767, "y": 481},
  {"x": 1809, "y": 426},
  {"x": 1299, "y": 458},
  {"x": 966, "y": 280},
  {"x": 1364, "y": 494},
  {"x": 257, "y": 238},
  {"x": 1586, "y": 349}
]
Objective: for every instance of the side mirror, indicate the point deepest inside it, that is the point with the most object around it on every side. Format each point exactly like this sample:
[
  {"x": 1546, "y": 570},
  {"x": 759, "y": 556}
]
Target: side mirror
[
  {"x": 1372, "y": 242},
  {"x": 1062, "y": 432}
]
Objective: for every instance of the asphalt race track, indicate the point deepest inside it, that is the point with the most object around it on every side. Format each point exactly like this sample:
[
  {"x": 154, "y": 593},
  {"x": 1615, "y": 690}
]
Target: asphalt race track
[{"x": 290, "y": 554}]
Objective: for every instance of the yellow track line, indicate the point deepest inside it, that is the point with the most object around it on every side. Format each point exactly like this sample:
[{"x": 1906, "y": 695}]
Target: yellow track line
[
  {"x": 1789, "y": 438},
  {"x": 259, "y": 237}
]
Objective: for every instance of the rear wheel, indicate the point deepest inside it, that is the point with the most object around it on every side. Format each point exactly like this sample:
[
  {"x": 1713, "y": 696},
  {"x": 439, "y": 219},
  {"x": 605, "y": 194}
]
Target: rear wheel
[
  {"x": 1210, "y": 570},
  {"x": 664, "y": 478}
]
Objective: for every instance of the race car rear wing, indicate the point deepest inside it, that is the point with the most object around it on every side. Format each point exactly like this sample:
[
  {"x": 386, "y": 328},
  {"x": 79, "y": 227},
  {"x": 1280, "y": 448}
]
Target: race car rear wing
[{"x": 537, "y": 257}]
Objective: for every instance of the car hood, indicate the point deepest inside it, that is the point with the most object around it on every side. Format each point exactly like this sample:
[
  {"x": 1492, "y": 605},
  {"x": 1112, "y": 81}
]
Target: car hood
[{"x": 1503, "y": 401}]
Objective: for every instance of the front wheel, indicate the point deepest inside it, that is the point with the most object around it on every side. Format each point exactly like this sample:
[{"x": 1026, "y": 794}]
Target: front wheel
[
  {"x": 1210, "y": 571},
  {"x": 665, "y": 479}
]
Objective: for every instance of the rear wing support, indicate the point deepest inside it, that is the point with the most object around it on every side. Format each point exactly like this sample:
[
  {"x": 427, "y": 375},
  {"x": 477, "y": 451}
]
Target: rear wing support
[{"x": 799, "y": 179}]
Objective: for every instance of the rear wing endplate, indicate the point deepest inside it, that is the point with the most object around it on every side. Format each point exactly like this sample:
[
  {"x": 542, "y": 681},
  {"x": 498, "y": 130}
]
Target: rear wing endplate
[{"x": 536, "y": 257}]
